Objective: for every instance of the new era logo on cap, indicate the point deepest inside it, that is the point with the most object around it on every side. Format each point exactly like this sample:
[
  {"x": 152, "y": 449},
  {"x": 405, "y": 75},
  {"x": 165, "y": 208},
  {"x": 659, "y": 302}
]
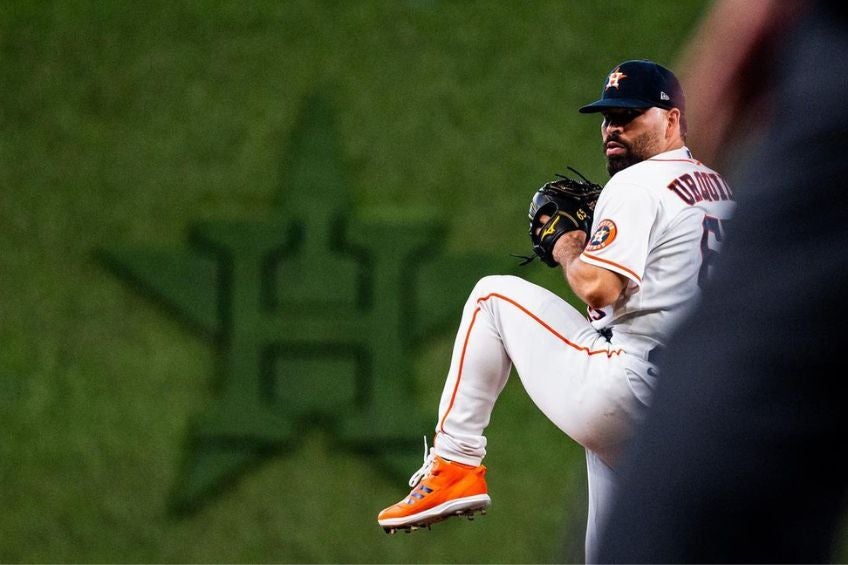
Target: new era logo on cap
[{"x": 639, "y": 84}]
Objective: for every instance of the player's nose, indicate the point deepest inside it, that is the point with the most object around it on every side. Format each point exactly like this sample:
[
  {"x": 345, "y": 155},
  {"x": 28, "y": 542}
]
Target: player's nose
[{"x": 611, "y": 129}]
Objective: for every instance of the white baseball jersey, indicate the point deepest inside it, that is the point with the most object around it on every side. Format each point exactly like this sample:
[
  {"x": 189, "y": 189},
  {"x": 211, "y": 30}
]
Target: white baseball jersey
[{"x": 659, "y": 224}]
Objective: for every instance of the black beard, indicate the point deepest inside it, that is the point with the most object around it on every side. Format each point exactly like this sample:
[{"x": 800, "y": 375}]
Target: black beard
[
  {"x": 616, "y": 163},
  {"x": 636, "y": 152}
]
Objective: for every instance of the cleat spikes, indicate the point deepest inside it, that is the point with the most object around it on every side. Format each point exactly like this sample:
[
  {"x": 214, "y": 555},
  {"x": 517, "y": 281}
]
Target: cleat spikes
[
  {"x": 408, "y": 529},
  {"x": 469, "y": 513}
]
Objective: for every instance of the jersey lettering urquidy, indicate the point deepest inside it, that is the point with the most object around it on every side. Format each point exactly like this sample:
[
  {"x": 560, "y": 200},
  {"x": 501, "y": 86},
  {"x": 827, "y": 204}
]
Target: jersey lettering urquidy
[{"x": 699, "y": 186}]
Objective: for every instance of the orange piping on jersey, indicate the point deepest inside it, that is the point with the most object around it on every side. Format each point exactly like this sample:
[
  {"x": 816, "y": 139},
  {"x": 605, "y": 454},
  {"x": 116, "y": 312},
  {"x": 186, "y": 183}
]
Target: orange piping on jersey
[
  {"x": 616, "y": 265},
  {"x": 535, "y": 318}
]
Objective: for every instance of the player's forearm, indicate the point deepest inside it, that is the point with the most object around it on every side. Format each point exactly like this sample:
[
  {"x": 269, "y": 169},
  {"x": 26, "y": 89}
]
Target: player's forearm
[{"x": 595, "y": 286}]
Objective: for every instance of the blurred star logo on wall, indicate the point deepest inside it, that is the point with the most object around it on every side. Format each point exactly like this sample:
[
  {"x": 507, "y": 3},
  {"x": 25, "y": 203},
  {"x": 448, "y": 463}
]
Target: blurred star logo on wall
[{"x": 314, "y": 315}]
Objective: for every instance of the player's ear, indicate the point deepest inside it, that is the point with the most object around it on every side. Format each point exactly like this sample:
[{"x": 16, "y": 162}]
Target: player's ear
[{"x": 673, "y": 122}]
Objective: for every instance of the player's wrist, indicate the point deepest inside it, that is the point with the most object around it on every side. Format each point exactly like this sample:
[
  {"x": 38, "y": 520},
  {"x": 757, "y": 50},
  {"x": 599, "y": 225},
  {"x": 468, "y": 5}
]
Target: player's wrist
[{"x": 569, "y": 246}]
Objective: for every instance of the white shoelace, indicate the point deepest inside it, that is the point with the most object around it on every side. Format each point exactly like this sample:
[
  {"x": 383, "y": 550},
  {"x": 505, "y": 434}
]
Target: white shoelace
[{"x": 429, "y": 455}]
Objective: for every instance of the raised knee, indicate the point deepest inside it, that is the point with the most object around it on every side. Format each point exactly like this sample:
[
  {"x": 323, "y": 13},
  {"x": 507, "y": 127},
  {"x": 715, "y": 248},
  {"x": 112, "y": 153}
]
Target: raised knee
[{"x": 496, "y": 284}]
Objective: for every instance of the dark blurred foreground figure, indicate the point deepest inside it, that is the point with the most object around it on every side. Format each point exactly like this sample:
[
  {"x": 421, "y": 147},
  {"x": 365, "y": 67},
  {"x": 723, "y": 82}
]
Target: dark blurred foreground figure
[{"x": 739, "y": 459}]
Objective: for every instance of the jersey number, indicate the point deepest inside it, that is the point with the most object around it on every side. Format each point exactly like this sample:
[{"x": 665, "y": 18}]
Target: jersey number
[{"x": 710, "y": 244}]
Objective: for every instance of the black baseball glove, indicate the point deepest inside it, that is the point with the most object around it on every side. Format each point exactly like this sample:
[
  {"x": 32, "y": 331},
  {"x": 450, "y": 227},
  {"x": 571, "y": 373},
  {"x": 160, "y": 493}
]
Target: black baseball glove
[{"x": 569, "y": 203}]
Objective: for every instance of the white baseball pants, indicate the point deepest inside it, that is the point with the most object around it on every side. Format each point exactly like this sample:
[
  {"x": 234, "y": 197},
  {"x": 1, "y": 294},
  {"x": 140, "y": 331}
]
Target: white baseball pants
[{"x": 590, "y": 389}]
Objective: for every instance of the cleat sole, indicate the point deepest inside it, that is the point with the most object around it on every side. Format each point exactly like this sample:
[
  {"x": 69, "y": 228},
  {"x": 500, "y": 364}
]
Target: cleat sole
[{"x": 466, "y": 507}]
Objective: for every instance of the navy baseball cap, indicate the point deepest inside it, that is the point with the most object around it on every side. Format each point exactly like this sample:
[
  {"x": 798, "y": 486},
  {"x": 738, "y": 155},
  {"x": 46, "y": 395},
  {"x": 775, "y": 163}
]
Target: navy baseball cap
[{"x": 639, "y": 84}]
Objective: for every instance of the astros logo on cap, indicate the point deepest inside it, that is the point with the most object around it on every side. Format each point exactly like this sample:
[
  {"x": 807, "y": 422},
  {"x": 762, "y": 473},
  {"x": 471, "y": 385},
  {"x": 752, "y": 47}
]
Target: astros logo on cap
[{"x": 614, "y": 77}]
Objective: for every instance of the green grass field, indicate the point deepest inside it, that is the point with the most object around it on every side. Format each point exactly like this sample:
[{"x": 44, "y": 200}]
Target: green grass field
[{"x": 127, "y": 122}]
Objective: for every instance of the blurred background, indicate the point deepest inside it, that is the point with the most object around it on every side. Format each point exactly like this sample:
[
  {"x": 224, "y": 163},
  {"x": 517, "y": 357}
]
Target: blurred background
[{"x": 127, "y": 124}]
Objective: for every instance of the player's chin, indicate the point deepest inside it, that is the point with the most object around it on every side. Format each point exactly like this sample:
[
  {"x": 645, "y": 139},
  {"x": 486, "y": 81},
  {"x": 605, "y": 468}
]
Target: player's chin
[{"x": 616, "y": 163}]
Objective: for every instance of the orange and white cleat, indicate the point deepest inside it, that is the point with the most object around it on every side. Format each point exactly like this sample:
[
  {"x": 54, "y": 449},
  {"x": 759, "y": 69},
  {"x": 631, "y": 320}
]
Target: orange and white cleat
[{"x": 442, "y": 489}]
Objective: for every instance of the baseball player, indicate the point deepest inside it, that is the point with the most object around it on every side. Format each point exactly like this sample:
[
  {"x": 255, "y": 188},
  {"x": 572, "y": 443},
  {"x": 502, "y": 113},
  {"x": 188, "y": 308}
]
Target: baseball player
[{"x": 636, "y": 256}]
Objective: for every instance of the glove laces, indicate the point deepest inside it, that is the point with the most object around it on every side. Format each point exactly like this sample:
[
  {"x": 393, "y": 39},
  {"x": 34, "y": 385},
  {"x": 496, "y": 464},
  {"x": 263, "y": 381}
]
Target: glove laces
[
  {"x": 525, "y": 259},
  {"x": 429, "y": 456}
]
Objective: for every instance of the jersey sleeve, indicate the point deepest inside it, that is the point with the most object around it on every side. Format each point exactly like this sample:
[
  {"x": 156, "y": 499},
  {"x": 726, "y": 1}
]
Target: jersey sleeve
[{"x": 624, "y": 218}]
